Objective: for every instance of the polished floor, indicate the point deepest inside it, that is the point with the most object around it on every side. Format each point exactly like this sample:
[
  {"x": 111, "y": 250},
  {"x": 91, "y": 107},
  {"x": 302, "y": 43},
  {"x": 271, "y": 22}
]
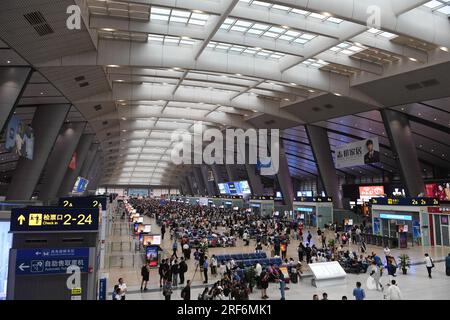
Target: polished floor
[{"x": 126, "y": 263}]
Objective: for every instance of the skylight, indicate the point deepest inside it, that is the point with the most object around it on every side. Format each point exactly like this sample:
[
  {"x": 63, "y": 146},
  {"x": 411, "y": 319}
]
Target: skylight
[
  {"x": 275, "y": 7},
  {"x": 266, "y": 30},
  {"x": 171, "y": 40},
  {"x": 178, "y": 16},
  {"x": 257, "y": 52},
  {"x": 315, "y": 63},
  {"x": 347, "y": 48},
  {"x": 381, "y": 33},
  {"x": 441, "y": 6}
]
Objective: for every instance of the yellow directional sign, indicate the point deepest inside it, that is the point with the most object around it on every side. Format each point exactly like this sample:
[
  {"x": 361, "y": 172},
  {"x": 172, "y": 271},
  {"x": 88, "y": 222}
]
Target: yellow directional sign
[
  {"x": 21, "y": 219},
  {"x": 76, "y": 291}
]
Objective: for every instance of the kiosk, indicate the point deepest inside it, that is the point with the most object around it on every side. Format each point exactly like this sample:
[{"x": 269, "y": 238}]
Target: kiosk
[
  {"x": 314, "y": 211},
  {"x": 262, "y": 205},
  {"x": 402, "y": 220}
]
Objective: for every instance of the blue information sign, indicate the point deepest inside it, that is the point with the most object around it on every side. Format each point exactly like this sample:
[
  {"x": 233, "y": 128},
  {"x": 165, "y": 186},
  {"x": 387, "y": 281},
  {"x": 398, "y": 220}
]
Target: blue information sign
[
  {"x": 102, "y": 289},
  {"x": 50, "y": 260}
]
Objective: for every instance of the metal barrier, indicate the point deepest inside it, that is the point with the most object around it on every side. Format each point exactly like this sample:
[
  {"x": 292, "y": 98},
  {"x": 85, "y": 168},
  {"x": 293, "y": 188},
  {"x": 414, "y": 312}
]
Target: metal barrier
[{"x": 125, "y": 260}]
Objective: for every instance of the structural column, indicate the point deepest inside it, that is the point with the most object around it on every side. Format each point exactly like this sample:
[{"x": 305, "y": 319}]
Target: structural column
[
  {"x": 93, "y": 150},
  {"x": 231, "y": 172},
  {"x": 71, "y": 175},
  {"x": 320, "y": 145},
  {"x": 189, "y": 187},
  {"x": 199, "y": 179},
  {"x": 285, "y": 180},
  {"x": 13, "y": 81},
  {"x": 47, "y": 122},
  {"x": 401, "y": 139},
  {"x": 209, "y": 184},
  {"x": 192, "y": 182},
  {"x": 93, "y": 175},
  {"x": 254, "y": 180},
  {"x": 60, "y": 158}
]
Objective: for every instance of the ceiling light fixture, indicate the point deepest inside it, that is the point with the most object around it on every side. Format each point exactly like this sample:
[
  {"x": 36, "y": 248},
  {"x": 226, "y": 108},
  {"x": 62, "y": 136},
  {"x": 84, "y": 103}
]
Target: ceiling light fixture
[
  {"x": 238, "y": 74},
  {"x": 8, "y": 61},
  {"x": 113, "y": 66},
  {"x": 413, "y": 59},
  {"x": 108, "y": 29},
  {"x": 337, "y": 94},
  {"x": 444, "y": 49},
  {"x": 293, "y": 84}
]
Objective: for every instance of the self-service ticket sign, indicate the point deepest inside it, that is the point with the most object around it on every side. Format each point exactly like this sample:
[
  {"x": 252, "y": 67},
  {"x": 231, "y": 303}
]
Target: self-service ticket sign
[
  {"x": 36, "y": 219},
  {"x": 50, "y": 260}
]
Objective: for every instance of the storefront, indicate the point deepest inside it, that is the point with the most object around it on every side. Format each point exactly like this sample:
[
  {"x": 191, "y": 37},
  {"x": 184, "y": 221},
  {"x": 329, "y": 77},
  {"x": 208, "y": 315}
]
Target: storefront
[
  {"x": 438, "y": 220},
  {"x": 262, "y": 205},
  {"x": 314, "y": 211},
  {"x": 403, "y": 219}
]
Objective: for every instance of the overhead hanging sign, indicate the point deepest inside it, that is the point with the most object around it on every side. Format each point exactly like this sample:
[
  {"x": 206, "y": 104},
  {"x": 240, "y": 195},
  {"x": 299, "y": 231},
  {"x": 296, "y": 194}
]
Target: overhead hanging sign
[
  {"x": 358, "y": 153},
  {"x": 83, "y": 202},
  {"x": 50, "y": 260},
  {"x": 35, "y": 219},
  {"x": 405, "y": 201}
]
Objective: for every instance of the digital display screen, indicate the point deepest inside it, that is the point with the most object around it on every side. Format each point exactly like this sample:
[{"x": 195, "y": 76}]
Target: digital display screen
[
  {"x": 395, "y": 216},
  {"x": 151, "y": 239},
  {"x": 235, "y": 188},
  {"x": 151, "y": 253},
  {"x": 278, "y": 195},
  {"x": 439, "y": 191},
  {"x": 80, "y": 185},
  {"x": 368, "y": 192},
  {"x": 304, "y": 193}
]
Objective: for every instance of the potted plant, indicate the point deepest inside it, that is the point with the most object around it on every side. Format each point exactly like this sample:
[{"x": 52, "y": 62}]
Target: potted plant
[
  {"x": 405, "y": 262},
  {"x": 331, "y": 243}
]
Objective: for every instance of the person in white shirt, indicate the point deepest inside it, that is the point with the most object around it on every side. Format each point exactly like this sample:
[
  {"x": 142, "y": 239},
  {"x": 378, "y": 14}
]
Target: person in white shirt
[
  {"x": 393, "y": 292},
  {"x": 123, "y": 289},
  {"x": 258, "y": 269},
  {"x": 429, "y": 264}
]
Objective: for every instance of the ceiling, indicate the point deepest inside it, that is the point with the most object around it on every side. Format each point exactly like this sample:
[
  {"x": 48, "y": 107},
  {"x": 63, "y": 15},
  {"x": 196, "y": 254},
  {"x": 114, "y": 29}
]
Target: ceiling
[{"x": 139, "y": 70}]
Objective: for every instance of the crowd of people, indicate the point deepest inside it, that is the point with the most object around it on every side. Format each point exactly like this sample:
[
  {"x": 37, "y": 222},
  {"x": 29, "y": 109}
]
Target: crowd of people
[{"x": 232, "y": 280}]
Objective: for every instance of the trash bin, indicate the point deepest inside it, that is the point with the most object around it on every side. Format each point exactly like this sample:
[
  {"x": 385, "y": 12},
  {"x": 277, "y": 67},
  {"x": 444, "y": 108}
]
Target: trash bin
[
  {"x": 379, "y": 241},
  {"x": 385, "y": 241},
  {"x": 393, "y": 243}
]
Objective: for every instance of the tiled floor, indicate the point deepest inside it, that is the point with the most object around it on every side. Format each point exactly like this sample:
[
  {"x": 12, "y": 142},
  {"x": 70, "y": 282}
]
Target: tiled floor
[{"x": 415, "y": 285}]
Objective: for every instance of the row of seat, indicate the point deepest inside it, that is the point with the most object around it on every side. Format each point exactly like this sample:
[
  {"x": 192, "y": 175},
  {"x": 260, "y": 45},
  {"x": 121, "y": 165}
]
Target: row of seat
[
  {"x": 241, "y": 256},
  {"x": 265, "y": 262}
]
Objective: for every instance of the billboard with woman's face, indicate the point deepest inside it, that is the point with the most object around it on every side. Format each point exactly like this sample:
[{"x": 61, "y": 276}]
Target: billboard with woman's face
[{"x": 19, "y": 138}]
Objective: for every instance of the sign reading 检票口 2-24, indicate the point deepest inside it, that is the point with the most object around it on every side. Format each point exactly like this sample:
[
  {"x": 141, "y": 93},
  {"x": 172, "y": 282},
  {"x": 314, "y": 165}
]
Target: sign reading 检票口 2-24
[{"x": 35, "y": 219}]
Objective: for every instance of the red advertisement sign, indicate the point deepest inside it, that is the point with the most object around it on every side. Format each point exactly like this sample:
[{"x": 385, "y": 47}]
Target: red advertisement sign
[
  {"x": 371, "y": 191},
  {"x": 73, "y": 161}
]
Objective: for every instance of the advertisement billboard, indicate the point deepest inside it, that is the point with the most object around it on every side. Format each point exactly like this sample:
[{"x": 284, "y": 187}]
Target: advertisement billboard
[
  {"x": 439, "y": 191},
  {"x": 357, "y": 153},
  {"x": 19, "y": 138},
  {"x": 369, "y": 192},
  {"x": 151, "y": 253}
]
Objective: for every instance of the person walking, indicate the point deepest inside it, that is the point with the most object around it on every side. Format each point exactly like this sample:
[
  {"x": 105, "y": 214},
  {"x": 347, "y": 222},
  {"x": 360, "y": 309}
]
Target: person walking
[
  {"x": 182, "y": 269},
  {"x": 429, "y": 264},
  {"x": 447, "y": 265},
  {"x": 282, "y": 282},
  {"x": 175, "y": 269},
  {"x": 358, "y": 292},
  {"x": 264, "y": 280},
  {"x": 174, "y": 249},
  {"x": 186, "y": 292},
  {"x": 393, "y": 292},
  {"x": 375, "y": 273},
  {"x": 145, "y": 273},
  {"x": 167, "y": 290},
  {"x": 213, "y": 263},
  {"x": 309, "y": 237},
  {"x": 205, "y": 269},
  {"x": 308, "y": 253},
  {"x": 163, "y": 230},
  {"x": 301, "y": 251}
]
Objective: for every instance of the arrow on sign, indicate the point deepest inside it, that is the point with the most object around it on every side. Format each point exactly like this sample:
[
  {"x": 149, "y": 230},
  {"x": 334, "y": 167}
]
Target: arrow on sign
[
  {"x": 21, "y": 219},
  {"x": 23, "y": 266}
]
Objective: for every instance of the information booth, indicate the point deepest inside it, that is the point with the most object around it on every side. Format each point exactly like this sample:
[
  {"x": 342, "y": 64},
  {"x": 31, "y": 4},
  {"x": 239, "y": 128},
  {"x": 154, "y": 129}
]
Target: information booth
[
  {"x": 54, "y": 254},
  {"x": 262, "y": 205},
  {"x": 314, "y": 211},
  {"x": 399, "y": 221}
]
